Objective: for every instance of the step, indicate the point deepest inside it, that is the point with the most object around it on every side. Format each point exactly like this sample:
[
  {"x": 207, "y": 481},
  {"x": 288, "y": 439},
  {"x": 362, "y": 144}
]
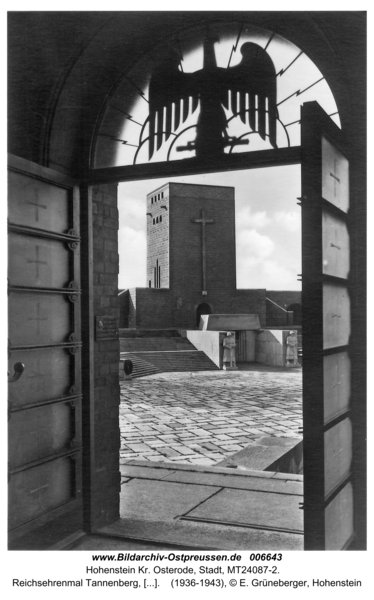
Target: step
[
  {"x": 155, "y": 344},
  {"x": 144, "y": 333},
  {"x": 141, "y": 368},
  {"x": 192, "y": 360},
  {"x": 268, "y": 453}
]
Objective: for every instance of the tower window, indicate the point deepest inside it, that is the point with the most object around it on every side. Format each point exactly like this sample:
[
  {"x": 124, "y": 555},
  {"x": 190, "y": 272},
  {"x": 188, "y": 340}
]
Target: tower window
[
  {"x": 160, "y": 218},
  {"x": 157, "y": 275}
]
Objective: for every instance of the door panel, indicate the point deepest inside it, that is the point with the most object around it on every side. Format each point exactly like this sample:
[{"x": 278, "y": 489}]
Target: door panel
[
  {"x": 37, "y": 432},
  {"x": 335, "y": 175},
  {"x": 339, "y": 519},
  {"x": 44, "y": 335},
  {"x": 336, "y": 316},
  {"x": 32, "y": 262},
  {"x": 328, "y": 450},
  {"x": 38, "y": 490},
  {"x": 335, "y": 246},
  {"x": 37, "y": 203},
  {"x": 39, "y": 319},
  {"x": 48, "y": 375},
  {"x": 338, "y": 454},
  {"x": 337, "y": 384}
]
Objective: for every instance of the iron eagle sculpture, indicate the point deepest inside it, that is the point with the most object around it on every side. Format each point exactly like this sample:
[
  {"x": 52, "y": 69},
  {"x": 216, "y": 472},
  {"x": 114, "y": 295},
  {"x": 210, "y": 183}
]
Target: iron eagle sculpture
[{"x": 211, "y": 87}]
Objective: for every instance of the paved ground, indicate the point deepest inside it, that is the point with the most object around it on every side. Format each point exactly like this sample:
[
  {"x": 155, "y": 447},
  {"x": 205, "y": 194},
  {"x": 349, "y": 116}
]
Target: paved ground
[{"x": 201, "y": 418}]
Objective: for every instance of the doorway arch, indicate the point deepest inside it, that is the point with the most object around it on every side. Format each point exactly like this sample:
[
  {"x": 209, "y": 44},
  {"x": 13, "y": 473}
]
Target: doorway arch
[{"x": 202, "y": 309}]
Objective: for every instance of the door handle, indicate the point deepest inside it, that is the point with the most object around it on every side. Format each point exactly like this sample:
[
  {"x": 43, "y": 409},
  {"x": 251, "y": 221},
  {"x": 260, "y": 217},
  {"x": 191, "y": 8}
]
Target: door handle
[{"x": 18, "y": 370}]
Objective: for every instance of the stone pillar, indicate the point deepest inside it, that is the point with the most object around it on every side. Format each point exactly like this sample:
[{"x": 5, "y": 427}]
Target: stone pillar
[{"x": 101, "y": 360}]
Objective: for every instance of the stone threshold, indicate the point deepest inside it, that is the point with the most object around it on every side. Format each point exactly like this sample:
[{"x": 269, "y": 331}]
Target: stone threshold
[
  {"x": 208, "y": 507},
  {"x": 163, "y": 466}
]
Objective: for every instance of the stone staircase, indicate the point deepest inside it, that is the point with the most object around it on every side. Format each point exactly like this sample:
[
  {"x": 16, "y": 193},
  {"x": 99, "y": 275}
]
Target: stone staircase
[
  {"x": 155, "y": 344},
  {"x": 164, "y": 352},
  {"x": 141, "y": 368}
]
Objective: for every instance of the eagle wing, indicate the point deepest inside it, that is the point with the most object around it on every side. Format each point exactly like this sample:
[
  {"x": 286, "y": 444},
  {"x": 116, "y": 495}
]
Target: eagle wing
[
  {"x": 254, "y": 75},
  {"x": 169, "y": 86}
]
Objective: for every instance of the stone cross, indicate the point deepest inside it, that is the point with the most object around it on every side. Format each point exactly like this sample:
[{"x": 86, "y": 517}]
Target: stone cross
[{"x": 203, "y": 220}]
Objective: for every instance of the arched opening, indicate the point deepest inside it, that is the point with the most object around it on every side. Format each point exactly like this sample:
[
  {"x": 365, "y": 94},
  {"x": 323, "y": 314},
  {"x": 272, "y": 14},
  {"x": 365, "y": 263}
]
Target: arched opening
[
  {"x": 202, "y": 309},
  {"x": 160, "y": 110}
]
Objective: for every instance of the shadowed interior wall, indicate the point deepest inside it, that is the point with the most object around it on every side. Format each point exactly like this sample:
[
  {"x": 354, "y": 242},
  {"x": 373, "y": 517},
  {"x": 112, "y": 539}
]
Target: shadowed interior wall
[{"x": 105, "y": 456}]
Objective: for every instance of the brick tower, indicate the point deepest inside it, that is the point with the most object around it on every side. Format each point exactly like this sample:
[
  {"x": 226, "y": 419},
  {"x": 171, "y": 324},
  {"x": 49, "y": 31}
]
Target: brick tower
[
  {"x": 198, "y": 223},
  {"x": 191, "y": 260}
]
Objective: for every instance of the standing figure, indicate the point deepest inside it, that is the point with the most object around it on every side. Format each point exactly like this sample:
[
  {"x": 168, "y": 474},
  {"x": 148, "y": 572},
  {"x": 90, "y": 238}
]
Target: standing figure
[
  {"x": 229, "y": 345},
  {"x": 291, "y": 353}
]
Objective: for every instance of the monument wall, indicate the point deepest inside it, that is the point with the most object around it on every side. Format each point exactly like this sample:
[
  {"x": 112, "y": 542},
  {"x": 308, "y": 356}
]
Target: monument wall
[
  {"x": 164, "y": 309},
  {"x": 284, "y": 297},
  {"x": 191, "y": 261},
  {"x": 189, "y": 238}
]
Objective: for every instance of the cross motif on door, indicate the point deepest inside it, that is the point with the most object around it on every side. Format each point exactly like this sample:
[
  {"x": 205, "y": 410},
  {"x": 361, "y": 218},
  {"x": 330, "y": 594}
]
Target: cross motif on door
[
  {"x": 37, "y": 205},
  {"x": 37, "y": 318},
  {"x": 37, "y": 375},
  {"x": 37, "y": 261},
  {"x": 335, "y": 178}
]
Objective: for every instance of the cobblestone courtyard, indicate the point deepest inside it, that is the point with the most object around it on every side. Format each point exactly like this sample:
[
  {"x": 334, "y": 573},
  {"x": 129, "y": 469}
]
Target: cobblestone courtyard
[{"x": 203, "y": 417}]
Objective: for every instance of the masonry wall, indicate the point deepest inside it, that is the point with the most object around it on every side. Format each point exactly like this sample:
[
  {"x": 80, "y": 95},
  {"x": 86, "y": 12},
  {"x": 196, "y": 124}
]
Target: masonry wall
[
  {"x": 105, "y": 453},
  {"x": 152, "y": 309},
  {"x": 124, "y": 308},
  {"x": 186, "y": 204},
  {"x": 131, "y": 301},
  {"x": 248, "y": 301},
  {"x": 283, "y": 297},
  {"x": 277, "y": 316}
]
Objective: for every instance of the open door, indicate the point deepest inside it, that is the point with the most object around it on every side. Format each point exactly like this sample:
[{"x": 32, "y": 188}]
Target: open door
[
  {"x": 44, "y": 367},
  {"x": 329, "y": 509}
]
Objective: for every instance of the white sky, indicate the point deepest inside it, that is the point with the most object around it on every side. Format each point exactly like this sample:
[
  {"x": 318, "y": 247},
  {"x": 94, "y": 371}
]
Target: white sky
[{"x": 268, "y": 226}]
